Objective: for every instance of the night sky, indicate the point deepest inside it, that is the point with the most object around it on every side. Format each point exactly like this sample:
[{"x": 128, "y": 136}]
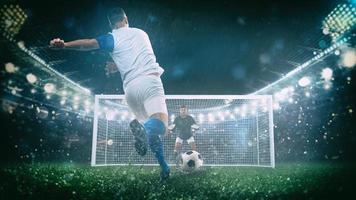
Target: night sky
[{"x": 215, "y": 47}]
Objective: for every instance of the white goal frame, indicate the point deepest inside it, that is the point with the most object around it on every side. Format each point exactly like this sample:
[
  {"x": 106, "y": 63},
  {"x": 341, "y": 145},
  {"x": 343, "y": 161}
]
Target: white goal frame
[{"x": 222, "y": 97}]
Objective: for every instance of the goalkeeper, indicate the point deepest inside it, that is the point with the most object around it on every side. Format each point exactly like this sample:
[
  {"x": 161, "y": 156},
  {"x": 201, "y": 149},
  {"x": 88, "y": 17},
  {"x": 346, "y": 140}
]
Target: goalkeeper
[{"x": 183, "y": 126}]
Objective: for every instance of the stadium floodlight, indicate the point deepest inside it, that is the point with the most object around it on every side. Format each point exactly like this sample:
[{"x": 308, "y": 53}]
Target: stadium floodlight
[
  {"x": 348, "y": 58},
  {"x": 12, "y": 18},
  {"x": 49, "y": 88},
  {"x": 327, "y": 74},
  {"x": 31, "y": 78},
  {"x": 10, "y": 68},
  {"x": 340, "y": 21},
  {"x": 55, "y": 73},
  {"x": 224, "y": 138},
  {"x": 284, "y": 94},
  {"x": 305, "y": 81},
  {"x": 302, "y": 67}
]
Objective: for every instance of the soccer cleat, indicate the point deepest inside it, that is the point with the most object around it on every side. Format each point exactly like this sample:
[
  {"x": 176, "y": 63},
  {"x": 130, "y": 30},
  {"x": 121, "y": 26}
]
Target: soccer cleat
[{"x": 139, "y": 133}]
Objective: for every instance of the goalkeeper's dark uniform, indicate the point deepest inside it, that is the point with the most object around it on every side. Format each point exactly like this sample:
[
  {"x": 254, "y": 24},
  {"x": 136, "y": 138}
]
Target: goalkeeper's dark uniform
[{"x": 183, "y": 127}]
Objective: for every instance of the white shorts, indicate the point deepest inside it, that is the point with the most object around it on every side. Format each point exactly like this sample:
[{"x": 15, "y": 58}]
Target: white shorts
[
  {"x": 145, "y": 96},
  {"x": 180, "y": 140}
]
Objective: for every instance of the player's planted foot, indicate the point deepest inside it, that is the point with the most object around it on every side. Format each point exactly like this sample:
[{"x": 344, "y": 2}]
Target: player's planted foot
[
  {"x": 139, "y": 133},
  {"x": 164, "y": 176}
]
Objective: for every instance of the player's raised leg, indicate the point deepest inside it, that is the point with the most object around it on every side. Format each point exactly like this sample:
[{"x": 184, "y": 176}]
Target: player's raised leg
[{"x": 139, "y": 134}]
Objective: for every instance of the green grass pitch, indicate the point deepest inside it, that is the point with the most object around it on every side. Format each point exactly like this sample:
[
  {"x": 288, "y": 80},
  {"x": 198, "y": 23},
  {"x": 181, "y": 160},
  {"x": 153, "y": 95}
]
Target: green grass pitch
[{"x": 286, "y": 181}]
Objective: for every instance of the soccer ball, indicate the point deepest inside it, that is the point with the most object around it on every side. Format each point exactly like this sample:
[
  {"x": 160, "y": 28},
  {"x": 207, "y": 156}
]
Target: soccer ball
[{"x": 191, "y": 160}]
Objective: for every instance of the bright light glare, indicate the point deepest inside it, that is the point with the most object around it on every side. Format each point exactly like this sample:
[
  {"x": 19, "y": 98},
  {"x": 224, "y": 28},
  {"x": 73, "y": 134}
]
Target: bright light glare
[
  {"x": 10, "y": 68},
  {"x": 276, "y": 106},
  {"x": 31, "y": 78},
  {"x": 348, "y": 58},
  {"x": 327, "y": 74},
  {"x": 110, "y": 115},
  {"x": 87, "y": 102},
  {"x": 211, "y": 117},
  {"x": 201, "y": 118},
  {"x": 49, "y": 88},
  {"x": 76, "y": 98},
  {"x": 64, "y": 93},
  {"x": 305, "y": 81}
]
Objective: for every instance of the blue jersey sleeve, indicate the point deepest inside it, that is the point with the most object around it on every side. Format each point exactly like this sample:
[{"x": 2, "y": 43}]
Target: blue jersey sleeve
[{"x": 106, "y": 42}]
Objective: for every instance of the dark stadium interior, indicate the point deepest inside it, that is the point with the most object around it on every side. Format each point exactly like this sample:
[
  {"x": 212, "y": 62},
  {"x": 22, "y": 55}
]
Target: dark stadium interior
[{"x": 206, "y": 48}]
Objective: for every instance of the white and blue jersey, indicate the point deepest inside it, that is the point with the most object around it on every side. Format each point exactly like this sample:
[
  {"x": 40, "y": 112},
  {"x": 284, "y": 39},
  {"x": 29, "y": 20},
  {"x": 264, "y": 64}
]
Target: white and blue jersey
[
  {"x": 132, "y": 52},
  {"x": 133, "y": 55}
]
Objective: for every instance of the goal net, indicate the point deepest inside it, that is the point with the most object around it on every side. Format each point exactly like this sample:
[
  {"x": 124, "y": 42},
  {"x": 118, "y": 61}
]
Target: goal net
[{"x": 233, "y": 130}]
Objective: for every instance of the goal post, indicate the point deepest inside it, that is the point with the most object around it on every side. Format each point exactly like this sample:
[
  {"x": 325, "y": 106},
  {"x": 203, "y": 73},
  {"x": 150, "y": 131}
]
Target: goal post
[{"x": 234, "y": 130}]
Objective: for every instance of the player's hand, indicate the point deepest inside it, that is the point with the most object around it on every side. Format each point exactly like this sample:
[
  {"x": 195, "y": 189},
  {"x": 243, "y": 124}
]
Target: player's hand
[
  {"x": 57, "y": 44},
  {"x": 110, "y": 68}
]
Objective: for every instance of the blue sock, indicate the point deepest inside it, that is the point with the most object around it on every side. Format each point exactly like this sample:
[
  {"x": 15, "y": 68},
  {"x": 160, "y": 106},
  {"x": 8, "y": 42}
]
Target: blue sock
[{"x": 154, "y": 128}]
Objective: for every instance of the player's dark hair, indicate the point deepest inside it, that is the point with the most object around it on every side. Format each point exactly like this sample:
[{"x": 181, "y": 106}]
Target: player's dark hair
[
  {"x": 183, "y": 106},
  {"x": 115, "y": 15}
]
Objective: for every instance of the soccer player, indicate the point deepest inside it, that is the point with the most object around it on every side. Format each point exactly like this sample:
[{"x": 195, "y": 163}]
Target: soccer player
[
  {"x": 131, "y": 51},
  {"x": 183, "y": 125}
]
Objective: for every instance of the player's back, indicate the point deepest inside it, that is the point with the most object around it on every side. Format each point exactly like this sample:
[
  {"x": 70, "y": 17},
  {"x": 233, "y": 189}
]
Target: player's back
[{"x": 133, "y": 54}]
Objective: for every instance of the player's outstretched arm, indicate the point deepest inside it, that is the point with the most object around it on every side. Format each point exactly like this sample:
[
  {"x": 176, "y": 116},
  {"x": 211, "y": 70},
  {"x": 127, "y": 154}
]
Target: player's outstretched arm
[
  {"x": 79, "y": 45},
  {"x": 171, "y": 127}
]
